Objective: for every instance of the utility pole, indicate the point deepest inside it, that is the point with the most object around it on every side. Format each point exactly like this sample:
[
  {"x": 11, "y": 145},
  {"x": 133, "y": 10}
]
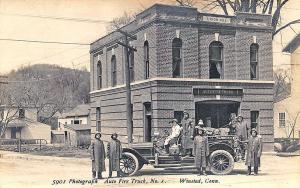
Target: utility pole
[{"x": 127, "y": 49}]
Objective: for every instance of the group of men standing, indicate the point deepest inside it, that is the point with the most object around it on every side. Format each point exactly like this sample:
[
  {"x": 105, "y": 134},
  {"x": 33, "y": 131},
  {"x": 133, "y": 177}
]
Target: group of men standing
[
  {"x": 114, "y": 154},
  {"x": 194, "y": 141}
]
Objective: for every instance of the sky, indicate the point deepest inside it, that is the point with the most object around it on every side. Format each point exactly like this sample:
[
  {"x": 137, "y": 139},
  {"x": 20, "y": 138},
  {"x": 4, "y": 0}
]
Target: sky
[{"x": 82, "y": 22}]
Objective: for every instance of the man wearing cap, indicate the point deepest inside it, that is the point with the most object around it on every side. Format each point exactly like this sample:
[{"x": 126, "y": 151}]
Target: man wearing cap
[
  {"x": 254, "y": 150},
  {"x": 241, "y": 131},
  {"x": 187, "y": 134},
  {"x": 200, "y": 150},
  {"x": 114, "y": 154},
  {"x": 98, "y": 156},
  {"x": 176, "y": 129}
]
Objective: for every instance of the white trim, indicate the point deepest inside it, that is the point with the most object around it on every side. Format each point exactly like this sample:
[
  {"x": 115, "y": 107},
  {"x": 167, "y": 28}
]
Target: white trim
[
  {"x": 217, "y": 36},
  {"x": 187, "y": 79}
]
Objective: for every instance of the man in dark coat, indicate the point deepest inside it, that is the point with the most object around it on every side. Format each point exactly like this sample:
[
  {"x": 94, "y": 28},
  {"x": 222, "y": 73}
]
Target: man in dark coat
[
  {"x": 201, "y": 151},
  {"x": 254, "y": 150},
  {"x": 241, "y": 131},
  {"x": 114, "y": 153},
  {"x": 187, "y": 134},
  {"x": 98, "y": 156}
]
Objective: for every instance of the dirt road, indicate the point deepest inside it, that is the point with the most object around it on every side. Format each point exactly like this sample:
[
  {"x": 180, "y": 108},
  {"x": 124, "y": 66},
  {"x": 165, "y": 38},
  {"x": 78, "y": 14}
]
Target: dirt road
[{"x": 275, "y": 172}]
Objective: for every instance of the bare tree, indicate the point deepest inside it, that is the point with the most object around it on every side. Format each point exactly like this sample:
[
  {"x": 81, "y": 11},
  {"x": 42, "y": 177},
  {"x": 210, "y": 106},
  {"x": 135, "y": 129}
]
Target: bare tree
[
  {"x": 254, "y": 6},
  {"x": 8, "y": 109},
  {"x": 116, "y": 23},
  {"x": 189, "y": 3},
  {"x": 282, "y": 86},
  {"x": 291, "y": 123}
]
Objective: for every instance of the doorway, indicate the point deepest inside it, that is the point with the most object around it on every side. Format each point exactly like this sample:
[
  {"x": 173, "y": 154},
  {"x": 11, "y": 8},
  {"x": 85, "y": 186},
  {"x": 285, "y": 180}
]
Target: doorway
[{"x": 215, "y": 114}]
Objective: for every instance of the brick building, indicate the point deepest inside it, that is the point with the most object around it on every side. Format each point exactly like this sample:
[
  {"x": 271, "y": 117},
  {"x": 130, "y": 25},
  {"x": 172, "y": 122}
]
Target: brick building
[{"x": 209, "y": 65}]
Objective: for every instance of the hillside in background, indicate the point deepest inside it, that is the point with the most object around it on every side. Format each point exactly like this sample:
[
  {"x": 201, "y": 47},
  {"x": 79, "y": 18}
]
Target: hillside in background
[{"x": 49, "y": 88}]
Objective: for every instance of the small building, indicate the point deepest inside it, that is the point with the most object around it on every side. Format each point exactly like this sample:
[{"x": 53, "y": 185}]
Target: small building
[
  {"x": 24, "y": 124},
  {"x": 74, "y": 126},
  {"x": 206, "y": 64},
  {"x": 287, "y": 110}
]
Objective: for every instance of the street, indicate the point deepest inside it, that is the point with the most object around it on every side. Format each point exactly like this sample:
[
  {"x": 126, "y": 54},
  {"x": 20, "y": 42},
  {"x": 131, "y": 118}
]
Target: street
[{"x": 15, "y": 172}]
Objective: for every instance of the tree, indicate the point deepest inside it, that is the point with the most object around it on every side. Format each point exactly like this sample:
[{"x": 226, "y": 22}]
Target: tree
[
  {"x": 8, "y": 108},
  {"x": 189, "y": 3},
  {"x": 282, "y": 86},
  {"x": 119, "y": 22},
  {"x": 291, "y": 123},
  {"x": 49, "y": 89},
  {"x": 272, "y": 7}
]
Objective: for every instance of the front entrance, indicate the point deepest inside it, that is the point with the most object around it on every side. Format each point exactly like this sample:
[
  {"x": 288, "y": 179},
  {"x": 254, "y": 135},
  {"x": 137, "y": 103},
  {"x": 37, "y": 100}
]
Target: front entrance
[{"x": 215, "y": 114}]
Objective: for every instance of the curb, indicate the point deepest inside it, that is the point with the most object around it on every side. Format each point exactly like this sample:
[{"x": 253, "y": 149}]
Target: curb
[{"x": 12, "y": 155}]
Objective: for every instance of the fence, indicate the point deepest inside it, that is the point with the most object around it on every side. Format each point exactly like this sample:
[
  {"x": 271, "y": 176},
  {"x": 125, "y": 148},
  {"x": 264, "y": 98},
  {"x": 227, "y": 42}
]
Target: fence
[{"x": 19, "y": 142}]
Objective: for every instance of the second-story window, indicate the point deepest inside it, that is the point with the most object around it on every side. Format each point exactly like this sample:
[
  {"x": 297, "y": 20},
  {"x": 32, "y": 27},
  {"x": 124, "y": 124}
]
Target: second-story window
[
  {"x": 176, "y": 57},
  {"x": 146, "y": 59},
  {"x": 113, "y": 71},
  {"x": 131, "y": 65},
  {"x": 99, "y": 75},
  {"x": 254, "y": 61},
  {"x": 216, "y": 60}
]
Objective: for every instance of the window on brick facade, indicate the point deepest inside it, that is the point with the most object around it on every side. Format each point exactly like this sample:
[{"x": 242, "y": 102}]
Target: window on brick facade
[
  {"x": 176, "y": 56},
  {"x": 21, "y": 113},
  {"x": 178, "y": 115},
  {"x": 282, "y": 119},
  {"x": 216, "y": 60},
  {"x": 146, "y": 59},
  {"x": 254, "y": 119},
  {"x": 98, "y": 119},
  {"x": 131, "y": 65},
  {"x": 99, "y": 75},
  {"x": 113, "y": 71},
  {"x": 253, "y": 61}
]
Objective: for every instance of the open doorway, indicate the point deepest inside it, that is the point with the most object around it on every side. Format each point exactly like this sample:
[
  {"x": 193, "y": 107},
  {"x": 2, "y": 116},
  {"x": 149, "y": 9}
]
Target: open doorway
[{"x": 215, "y": 114}]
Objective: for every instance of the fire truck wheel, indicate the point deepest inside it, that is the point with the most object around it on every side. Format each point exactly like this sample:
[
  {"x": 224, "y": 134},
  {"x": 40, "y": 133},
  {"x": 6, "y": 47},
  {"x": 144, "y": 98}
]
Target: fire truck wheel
[
  {"x": 129, "y": 164},
  {"x": 221, "y": 162}
]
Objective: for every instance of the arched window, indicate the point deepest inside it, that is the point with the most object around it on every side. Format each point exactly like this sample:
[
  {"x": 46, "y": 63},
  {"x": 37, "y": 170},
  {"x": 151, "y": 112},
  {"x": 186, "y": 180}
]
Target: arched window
[
  {"x": 131, "y": 65},
  {"x": 216, "y": 60},
  {"x": 99, "y": 75},
  {"x": 113, "y": 71},
  {"x": 176, "y": 56},
  {"x": 146, "y": 59},
  {"x": 254, "y": 61}
]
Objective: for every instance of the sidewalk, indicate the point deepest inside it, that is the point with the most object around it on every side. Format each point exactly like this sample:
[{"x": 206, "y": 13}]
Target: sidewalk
[{"x": 16, "y": 155}]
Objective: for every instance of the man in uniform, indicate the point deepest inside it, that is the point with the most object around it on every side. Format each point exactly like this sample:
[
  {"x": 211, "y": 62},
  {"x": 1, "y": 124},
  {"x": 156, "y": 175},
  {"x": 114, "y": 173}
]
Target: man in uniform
[
  {"x": 254, "y": 150},
  {"x": 98, "y": 156},
  {"x": 176, "y": 129},
  {"x": 114, "y": 153},
  {"x": 241, "y": 131},
  {"x": 187, "y": 134},
  {"x": 200, "y": 150}
]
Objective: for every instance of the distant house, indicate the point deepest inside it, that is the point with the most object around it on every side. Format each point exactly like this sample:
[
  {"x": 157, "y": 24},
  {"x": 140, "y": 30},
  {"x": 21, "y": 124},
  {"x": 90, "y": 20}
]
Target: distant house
[
  {"x": 23, "y": 124},
  {"x": 287, "y": 110},
  {"x": 74, "y": 126}
]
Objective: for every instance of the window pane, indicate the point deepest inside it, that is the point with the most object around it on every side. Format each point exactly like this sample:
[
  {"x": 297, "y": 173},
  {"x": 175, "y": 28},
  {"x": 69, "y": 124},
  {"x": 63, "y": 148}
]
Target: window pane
[
  {"x": 254, "y": 119},
  {"x": 253, "y": 70},
  {"x": 176, "y": 55},
  {"x": 253, "y": 53}
]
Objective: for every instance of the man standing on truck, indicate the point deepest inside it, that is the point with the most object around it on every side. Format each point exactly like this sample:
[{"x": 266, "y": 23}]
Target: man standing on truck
[
  {"x": 241, "y": 131},
  {"x": 187, "y": 134},
  {"x": 98, "y": 156},
  {"x": 254, "y": 150},
  {"x": 114, "y": 154},
  {"x": 201, "y": 151},
  {"x": 176, "y": 129}
]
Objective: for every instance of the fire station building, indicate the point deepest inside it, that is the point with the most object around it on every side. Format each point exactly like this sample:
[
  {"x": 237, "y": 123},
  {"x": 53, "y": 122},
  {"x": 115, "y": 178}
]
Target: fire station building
[{"x": 206, "y": 64}]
